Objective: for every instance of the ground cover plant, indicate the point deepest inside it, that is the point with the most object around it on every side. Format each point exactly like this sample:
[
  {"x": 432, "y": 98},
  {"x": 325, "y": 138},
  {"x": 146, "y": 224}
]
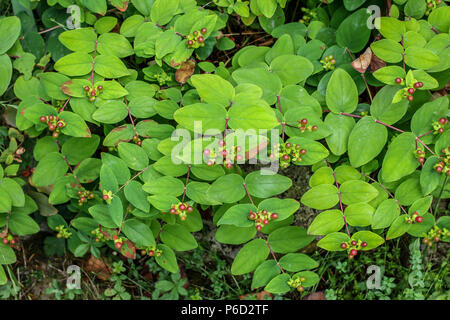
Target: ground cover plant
[{"x": 138, "y": 132}]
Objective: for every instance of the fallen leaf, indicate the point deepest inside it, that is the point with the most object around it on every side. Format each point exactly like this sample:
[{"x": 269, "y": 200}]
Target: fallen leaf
[
  {"x": 185, "y": 71},
  {"x": 361, "y": 63},
  {"x": 315, "y": 296},
  {"x": 101, "y": 269}
]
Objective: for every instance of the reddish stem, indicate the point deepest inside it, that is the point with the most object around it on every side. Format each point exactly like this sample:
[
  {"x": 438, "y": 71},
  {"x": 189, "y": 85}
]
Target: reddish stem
[
  {"x": 135, "y": 176},
  {"x": 273, "y": 255},
  {"x": 187, "y": 180},
  {"x": 248, "y": 194}
]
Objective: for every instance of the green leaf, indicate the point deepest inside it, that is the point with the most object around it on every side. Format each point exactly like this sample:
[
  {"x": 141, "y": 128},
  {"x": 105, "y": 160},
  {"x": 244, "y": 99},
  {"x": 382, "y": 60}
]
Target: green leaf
[
  {"x": 112, "y": 111},
  {"x": 391, "y": 28},
  {"x": 333, "y": 241},
  {"x": 227, "y": 189},
  {"x": 321, "y": 197},
  {"x": 359, "y": 214},
  {"x": 250, "y": 257},
  {"x": 386, "y": 213},
  {"x": 237, "y": 215},
  {"x": 291, "y": 69},
  {"x": 326, "y": 222},
  {"x": 134, "y": 156},
  {"x": 138, "y": 232},
  {"x": 399, "y": 160},
  {"x": 136, "y": 196},
  {"x": 354, "y": 191},
  {"x": 14, "y": 190},
  {"x": 52, "y": 82},
  {"x": 399, "y": 227},
  {"x": 340, "y": 127},
  {"x": 389, "y": 51},
  {"x": 75, "y": 64},
  {"x": 210, "y": 116},
  {"x": 294, "y": 262},
  {"x": 110, "y": 67},
  {"x": 7, "y": 255},
  {"x": 114, "y": 44},
  {"x": 265, "y": 272},
  {"x": 5, "y": 72},
  {"x": 366, "y": 141},
  {"x": 265, "y": 184},
  {"x": 75, "y": 125},
  {"x": 96, "y": 6},
  {"x": 341, "y": 93},
  {"x": 79, "y": 40},
  {"x": 163, "y": 11},
  {"x": 229, "y": 234},
  {"x": 279, "y": 284},
  {"x": 9, "y": 32},
  {"x": 283, "y": 207},
  {"x": 84, "y": 148},
  {"x": 383, "y": 108},
  {"x": 165, "y": 185},
  {"x": 22, "y": 224},
  {"x": 252, "y": 116},
  {"x": 346, "y": 35},
  {"x": 420, "y": 58},
  {"x": 213, "y": 89},
  {"x": 289, "y": 239},
  {"x": 267, "y": 7},
  {"x": 50, "y": 168},
  {"x": 178, "y": 237},
  {"x": 167, "y": 260}
]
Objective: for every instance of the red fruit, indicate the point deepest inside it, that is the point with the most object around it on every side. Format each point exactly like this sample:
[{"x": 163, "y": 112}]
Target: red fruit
[
  {"x": 209, "y": 163},
  {"x": 60, "y": 124},
  {"x": 421, "y": 160},
  {"x": 13, "y": 241},
  {"x": 285, "y": 157},
  {"x": 173, "y": 211},
  {"x": 443, "y": 120},
  {"x": 420, "y": 84},
  {"x": 182, "y": 207},
  {"x": 274, "y": 216},
  {"x": 200, "y": 39},
  {"x": 353, "y": 252},
  {"x": 364, "y": 244},
  {"x": 190, "y": 209},
  {"x": 118, "y": 245},
  {"x": 303, "y": 151},
  {"x": 288, "y": 145},
  {"x": 438, "y": 169},
  {"x": 258, "y": 227},
  {"x": 229, "y": 165},
  {"x": 300, "y": 288},
  {"x": 195, "y": 33},
  {"x": 425, "y": 240},
  {"x": 333, "y": 61},
  {"x": 206, "y": 152},
  {"x": 221, "y": 143},
  {"x": 410, "y": 90},
  {"x": 398, "y": 80},
  {"x": 304, "y": 121},
  {"x": 190, "y": 42},
  {"x": 51, "y": 127},
  {"x": 115, "y": 237},
  {"x": 224, "y": 153},
  {"x": 5, "y": 241},
  {"x": 151, "y": 253},
  {"x": 437, "y": 239},
  {"x": 239, "y": 157},
  {"x": 203, "y": 30},
  {"x": 238, "y": 148},
  {"x": 55, "y": 134},
  {"x": 448, "y": 172},
  {"x": 265, "y": 221},
  {"x": 182, "y": 218},
  {"x": 83, "y": 199},
  {"x": 350, "y": 256},
  {"x": 354, "y": 243},
  {"x": 419, "y": 219},
  {"x": 43, "y": 119},
  {"x": 139, "y": 143},
  {"x": 100, "y": 88},
  {"x": 105, "y": 197},
  {"x": 86, "y": 88},
  {"x": 410, "y": 98},
  {"x": 343, "y": 245},
  {"x": 416, "y": 85},
  {"x": 441, "y": 130},
  {"x": 252, "y": 215},
  {"x": 264, "y": 212},
  {"x": 51, "y": 118},
  {"x": 314, "y": 128}
]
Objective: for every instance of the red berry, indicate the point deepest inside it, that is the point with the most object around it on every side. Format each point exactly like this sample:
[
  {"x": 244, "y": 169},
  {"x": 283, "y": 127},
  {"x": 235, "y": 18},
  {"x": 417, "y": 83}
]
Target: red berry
[
  {"x": 353, "y": 252},
  {"x": 190, "y": 209},
  {"x": 5, "y": 241},
  {"x": 425, "y": 240},
  {"x": 441, "y": 130},
  {"x": 419, "y": 219},
  {"x": 209, "y": 163},
  {"x": 221, "y": 143},
  {"x": 417, "y": 85},
  {"x": 443, "y": 120},
  {"x": 303, "y": 151},
  {"x": 203, "y": 30},
  {"x": 200, "y": 39},
  {"x": 182, "y": 207},
  {"x": 13, "y": 241},
  {"x": 437, "y": 239},
  {"x": 239, "y": 157},
  {"x": 195, "y": 33},
  {"x": 410, "y": 98},
  {"x": 55, "y": 135},
  {"x": 258, "y": 227},
  {"x": 206, "y": 152},
  {"x": 60, "y": 124},
  {"x": 51, "y": 118},
  {"x": 51, "y": 127},
  {"x": 182, "y": 218},
  {"x": 105, "y": 197},
  {"x": 354, "y": 243},
  {"x": 274, "y": 216},
  {"x": 421, "y": 160},
  {"x": 314, "y": 128},
  {"x": 286, "y": 157},
  {"x": 350, "y": 256},
  {"x": 43, "y": 119},
  {"x": 173, "y": 211},
  {"x": 252, "y": 215},
  {"x": 343, "y": 245},
  {"x": 151, "y": 253},
  {"x": 118, "y": 245},
  {"x": 448, "y": 172},
  {"x": 438, "y": 169},
  {"x": 398, "y": 80},
  {"x": 265, "y": 221},
  {"x": 304, "y": 121},
  {"x": 364, "y": 244},
  {"x": 288, "y": 145},
  {"x": 420, "y": 84},
  {"x": 264, "y": 212},
  {"x": 238, "y": 148},
  {"x": 190, "y": 42},
  {"x": 86, "y": 88},
  {"x": 93, "y": 93},
  {"x": 410, "y": 90},
  {"x": 333, "y": 61},
  {"x": 139, "y": 143},
  {"x": 100, "y": 88},
  {"x": 300, "y": 288},
  {"x": 229, "y": 165},
  {"x": 115, "y": 237},
  {"x": 224, "y": 153}
]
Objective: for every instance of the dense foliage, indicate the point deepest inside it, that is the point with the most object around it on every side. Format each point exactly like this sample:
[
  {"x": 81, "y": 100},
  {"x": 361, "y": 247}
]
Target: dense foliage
[{"x": 127, "y": 124}]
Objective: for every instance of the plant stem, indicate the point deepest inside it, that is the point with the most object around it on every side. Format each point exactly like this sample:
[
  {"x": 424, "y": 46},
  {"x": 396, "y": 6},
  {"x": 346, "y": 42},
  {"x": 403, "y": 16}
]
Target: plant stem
[
  {"x": 248, "y": 194},
  {"x": 273, "y": 255}
]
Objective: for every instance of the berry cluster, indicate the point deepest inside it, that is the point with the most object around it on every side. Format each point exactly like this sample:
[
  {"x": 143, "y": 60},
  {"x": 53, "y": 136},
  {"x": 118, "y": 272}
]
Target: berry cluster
[
  {"x": 435, "y": 235},
  {"x": 54, "y": 124},
  {"x": 63, "y": 232},
  {"x": 213, "y": 157},
  {"x": 328, "y": 62},
  {"x": 151, "y": 251},
  {"x": 297, "y": 283},
  {"x": 181, "y": 210},
  {"x": 309, "y": 15},
  {"x": 83, "y": 196},
  {"x": 262, "y": 218},
  {"x": 353, "y": 246},
  {"x": 9, "y": 240},
  {"x": 444, "y": 164},
  {"x": 420, "y": 155},
  {"x": 118, "y": 242},
  {"x": 92, "y": 93},
  {"x": 438, "y": 126},
  {"x": 287, "y": 152},
  {"x": 303, "y": 126},
  {"x": 162, "y": 78},
  {"x": 196, "y": 39},
  {"x": 100, "y": 236},
  {"x": 409, "y": 91},
  {"x": 432, "y": 4},
  {"x": 137, "y": 140},
  {"x": 415, "y": 218},
  {"x": 107, "y": 196}
]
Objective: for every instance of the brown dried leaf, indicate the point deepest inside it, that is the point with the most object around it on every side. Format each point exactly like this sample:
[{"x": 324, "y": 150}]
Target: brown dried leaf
[
  {"x": 315, "y": 296},
  {"x": 185, "y": 71},
  {"x": 362, "y": 63},
  {"x": 376, "y": 63},
  {"x": 99, "y": 267}
]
